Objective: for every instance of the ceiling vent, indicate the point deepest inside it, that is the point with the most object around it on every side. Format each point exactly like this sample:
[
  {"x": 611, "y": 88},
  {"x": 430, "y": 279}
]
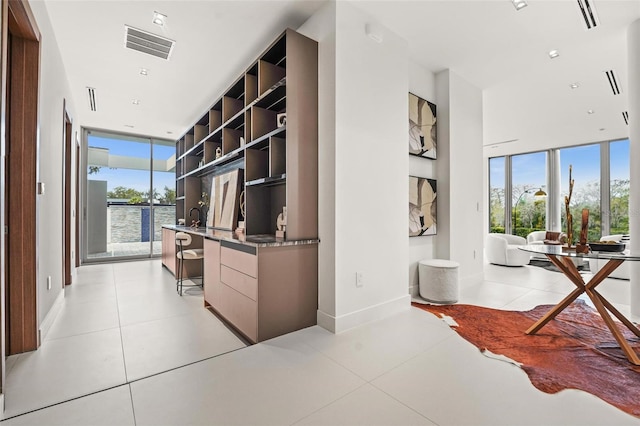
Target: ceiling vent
[
  {"x": 625, "y": 115},
  {"x": 148, "y": 43},
  {"x": 613, "y": 82},
  {"x": 588, "y": 13},
  {"x": 91, "y": 92}
]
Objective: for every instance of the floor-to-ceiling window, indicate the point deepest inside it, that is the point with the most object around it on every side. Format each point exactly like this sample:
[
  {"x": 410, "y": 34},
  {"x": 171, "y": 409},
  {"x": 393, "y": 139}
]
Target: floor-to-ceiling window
[
  {"x": 130, "y": 193},
  {"x": 528, "y": 197},
  {"x": 585, "y": 173},
  {"x": 601, "y": 184},
  {"x": 619, "y": 183}
]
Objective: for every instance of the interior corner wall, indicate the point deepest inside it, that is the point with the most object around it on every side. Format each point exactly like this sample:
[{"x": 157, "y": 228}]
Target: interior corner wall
[
  {"x": 54, "y": 88},
  {"x": 368, "y": 177},
  {"x": 421, "y": 83},
  {"x": 459, "y": 168}
]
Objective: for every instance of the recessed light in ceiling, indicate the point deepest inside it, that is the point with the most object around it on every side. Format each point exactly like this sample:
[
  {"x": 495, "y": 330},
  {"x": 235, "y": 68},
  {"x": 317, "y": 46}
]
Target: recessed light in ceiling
[
  {"x": 590, "y": 111},
  {"x": 159, "y": 18},
  {"x": 602, "y": 129},
  {"x": 135, "y": 102},
  {"x": 554, "y": 54},
  {"x": 144, "y": 71},
  {"x": 519, "y": 4},
  {"x": 574, "y": 85},
  {"x": 169, "y": 132},
  {"x": 131, "y": 126}
]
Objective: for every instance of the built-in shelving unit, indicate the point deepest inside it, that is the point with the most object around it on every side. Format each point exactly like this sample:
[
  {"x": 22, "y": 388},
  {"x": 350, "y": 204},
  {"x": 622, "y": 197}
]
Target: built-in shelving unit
[{"x": 241, "y": 130}]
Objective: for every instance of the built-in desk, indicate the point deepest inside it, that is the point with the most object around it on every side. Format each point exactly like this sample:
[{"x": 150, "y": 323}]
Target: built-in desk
[{"x": 264, "y": 287}]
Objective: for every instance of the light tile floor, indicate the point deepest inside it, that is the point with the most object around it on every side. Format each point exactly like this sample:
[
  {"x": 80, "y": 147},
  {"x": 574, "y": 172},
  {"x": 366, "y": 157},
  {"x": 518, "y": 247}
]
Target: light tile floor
[{"x": 408, "y": 369}]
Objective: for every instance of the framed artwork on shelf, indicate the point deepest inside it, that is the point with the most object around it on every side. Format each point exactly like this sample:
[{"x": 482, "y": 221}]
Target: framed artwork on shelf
[
  {"x": 225, "y": 200},
  {"x": 422, "y": 128},
  {"x": 422, "y": 206}
]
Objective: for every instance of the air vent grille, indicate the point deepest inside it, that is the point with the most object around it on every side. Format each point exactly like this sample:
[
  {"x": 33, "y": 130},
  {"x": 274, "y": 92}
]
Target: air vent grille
[
  {"x": 613, "y": 82},
  {"x": 148, "y": 43},
  {"x": 588, "y": 13},
  {"x": 91, "y": 92},
  {"x": 625, "y": 115}
]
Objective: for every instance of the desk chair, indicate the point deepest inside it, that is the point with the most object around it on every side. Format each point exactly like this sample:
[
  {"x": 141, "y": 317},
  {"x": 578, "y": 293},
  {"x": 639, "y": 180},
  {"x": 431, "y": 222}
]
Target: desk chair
[{"x": 183, "y": 240}]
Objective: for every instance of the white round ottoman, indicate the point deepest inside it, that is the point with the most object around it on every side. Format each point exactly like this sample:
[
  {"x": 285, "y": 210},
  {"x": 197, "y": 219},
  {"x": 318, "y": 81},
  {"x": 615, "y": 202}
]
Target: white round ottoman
[{"x": 439, "y": 280}]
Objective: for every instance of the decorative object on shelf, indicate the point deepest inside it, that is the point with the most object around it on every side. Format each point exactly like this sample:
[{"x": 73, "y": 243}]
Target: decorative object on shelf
[
  {"x": 422, "y": 127},
  {"x": 567, "y": 201},
  {"x": 282, "y": 119},
  {"x": 241, "y": 140},
  {"x": 201, "y": 163},
  {"x": 240, "y": 228},
  {"x": 422, "y": 206},
  {"x": 281, "y": 223},
  {"x": 204, "y": 206},
  {"x": 218, "y": 152},
  {"x": 582, "y": 246},
  {"x": 181, "y": 222},
  {"x": 224, "y": 193}
]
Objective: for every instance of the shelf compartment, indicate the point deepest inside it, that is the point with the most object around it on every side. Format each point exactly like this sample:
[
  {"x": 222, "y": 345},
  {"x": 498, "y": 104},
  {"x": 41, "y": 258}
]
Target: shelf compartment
[
  {"x": 210, "y": 148},
  {"x": 251, "y": 85},
  {"x": 263, "y": 205},
  {"x": 277, "y": 52},
  {"x": 190, "y": 164},
  {"x": 230, "y": 107},
  {"x": 263, "y": 121},
  {"x": 256, "y": 164},
  {"x": 274, "y": 99},
  {"x": 179, "y": 189},
  {"x": 268, "y": 75},
  {"x": 231, "y": 139},
  {"x": 188, "y": 141},
  {"x": 200, "y": 132},
  {"x": 215, "y": 119},
  {"x": 247, "y": 126},
  {"x": 277, "y": 156}
]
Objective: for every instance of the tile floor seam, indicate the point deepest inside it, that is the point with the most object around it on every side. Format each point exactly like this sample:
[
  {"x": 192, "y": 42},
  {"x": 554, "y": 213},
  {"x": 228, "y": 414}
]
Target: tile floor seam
[
  {"x": 124, "y": 360},
  {"x": 133, "y": 407},
  {"x": 51, "y": 339},
  {"x": 328, "y": 404},
  {"x": 405, "y": 405},
  {"x": 63, "y": 402}
]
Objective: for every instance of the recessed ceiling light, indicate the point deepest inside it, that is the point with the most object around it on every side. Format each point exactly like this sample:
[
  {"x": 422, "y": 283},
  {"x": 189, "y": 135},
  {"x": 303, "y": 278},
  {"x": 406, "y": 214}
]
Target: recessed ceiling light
[
  {"x": 554, "y": 54},
  {"x": 519, "y": 4},
  {"x": 169, "y": 132},
  {"x": 159, "y": 18},
  {"x": 144, "y": 71},
  {"x": 590, "y": 111},
  {"x": 131, "y": 126},
  {"x": 602, "y": 129},
  {"x": 574, "y": 85},
  {"x": 135, "y": 102}
]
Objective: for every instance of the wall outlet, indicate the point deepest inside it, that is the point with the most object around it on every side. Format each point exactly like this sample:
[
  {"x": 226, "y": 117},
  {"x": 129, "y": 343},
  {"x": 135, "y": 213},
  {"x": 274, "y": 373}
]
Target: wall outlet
[
  {"x": 359, "y": 279},
  {"x": 49, "y": 282}
]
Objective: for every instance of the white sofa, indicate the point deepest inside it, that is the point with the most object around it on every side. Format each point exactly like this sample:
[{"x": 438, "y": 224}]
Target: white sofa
[
  {"x": 538, "y": 238},
  {"x": 503, "y": 249},
  {"x": 622, "y": 271}
]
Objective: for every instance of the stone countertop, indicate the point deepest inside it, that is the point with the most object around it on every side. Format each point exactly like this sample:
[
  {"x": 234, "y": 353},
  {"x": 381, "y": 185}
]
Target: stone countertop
[{"x": 258, "y": 240}]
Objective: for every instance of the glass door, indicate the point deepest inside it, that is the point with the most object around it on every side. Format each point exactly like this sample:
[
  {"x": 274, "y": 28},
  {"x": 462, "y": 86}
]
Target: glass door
[{"x": 123, "y": 207}]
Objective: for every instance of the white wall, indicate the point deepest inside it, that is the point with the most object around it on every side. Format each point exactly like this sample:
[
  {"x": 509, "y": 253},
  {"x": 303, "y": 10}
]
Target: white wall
[
  {"x": 54, "y": 88},
  {"x": 369, "y": 172},
  {"x": 459, "y": 169},
  {"x": 421, "y": 83}
]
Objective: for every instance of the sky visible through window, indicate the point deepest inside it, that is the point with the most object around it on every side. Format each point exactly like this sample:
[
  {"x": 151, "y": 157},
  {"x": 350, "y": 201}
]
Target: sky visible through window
[
  {"x": 136, "y": 179},
  {"x": 581, "y": 158}
]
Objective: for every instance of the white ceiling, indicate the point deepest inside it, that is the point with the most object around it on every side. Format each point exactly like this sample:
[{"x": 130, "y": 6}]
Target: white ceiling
[{"x": 488, "y": 43}]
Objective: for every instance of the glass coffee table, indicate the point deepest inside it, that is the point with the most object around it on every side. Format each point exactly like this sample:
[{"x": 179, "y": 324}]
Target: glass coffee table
[{"x": 563, "y": 259}]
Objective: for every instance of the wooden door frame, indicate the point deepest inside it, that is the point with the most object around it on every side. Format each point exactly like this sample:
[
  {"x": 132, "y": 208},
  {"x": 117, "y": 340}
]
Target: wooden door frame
[
  {"x": 21, "y": 144},
  {"x": 67, "y": 127}
]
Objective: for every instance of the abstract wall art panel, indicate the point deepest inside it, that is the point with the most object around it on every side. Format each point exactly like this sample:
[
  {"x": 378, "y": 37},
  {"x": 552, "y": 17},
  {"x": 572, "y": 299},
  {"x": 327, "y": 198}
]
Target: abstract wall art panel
[
  {"x": 422, "y": 206},
  {"x": 422, "y": 127},
  {"x": 225, "y": 196}
]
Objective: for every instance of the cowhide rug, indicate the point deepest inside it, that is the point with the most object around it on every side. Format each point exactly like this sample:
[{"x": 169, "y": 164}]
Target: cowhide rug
[{"x": 574, "y": 351}]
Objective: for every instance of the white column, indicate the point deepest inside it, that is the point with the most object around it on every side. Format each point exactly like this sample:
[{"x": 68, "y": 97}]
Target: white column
[{"x": 633, "y": 46}]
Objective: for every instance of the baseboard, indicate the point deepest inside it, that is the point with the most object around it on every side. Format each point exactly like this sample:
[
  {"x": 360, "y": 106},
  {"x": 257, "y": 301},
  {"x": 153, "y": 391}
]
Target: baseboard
[
  {"x": 50, "y": 318},
  {"x": 353, "y": 319}
]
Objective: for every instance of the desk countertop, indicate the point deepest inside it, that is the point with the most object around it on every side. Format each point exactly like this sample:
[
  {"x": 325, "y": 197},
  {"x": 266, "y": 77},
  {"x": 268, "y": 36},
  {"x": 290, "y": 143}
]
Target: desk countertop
[{"x": 259, "y": 240}]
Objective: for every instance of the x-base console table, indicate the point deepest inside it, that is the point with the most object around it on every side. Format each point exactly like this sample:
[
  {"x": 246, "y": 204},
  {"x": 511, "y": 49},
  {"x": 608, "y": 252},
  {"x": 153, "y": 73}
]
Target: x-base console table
[{"x": 564, "y": 261}]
